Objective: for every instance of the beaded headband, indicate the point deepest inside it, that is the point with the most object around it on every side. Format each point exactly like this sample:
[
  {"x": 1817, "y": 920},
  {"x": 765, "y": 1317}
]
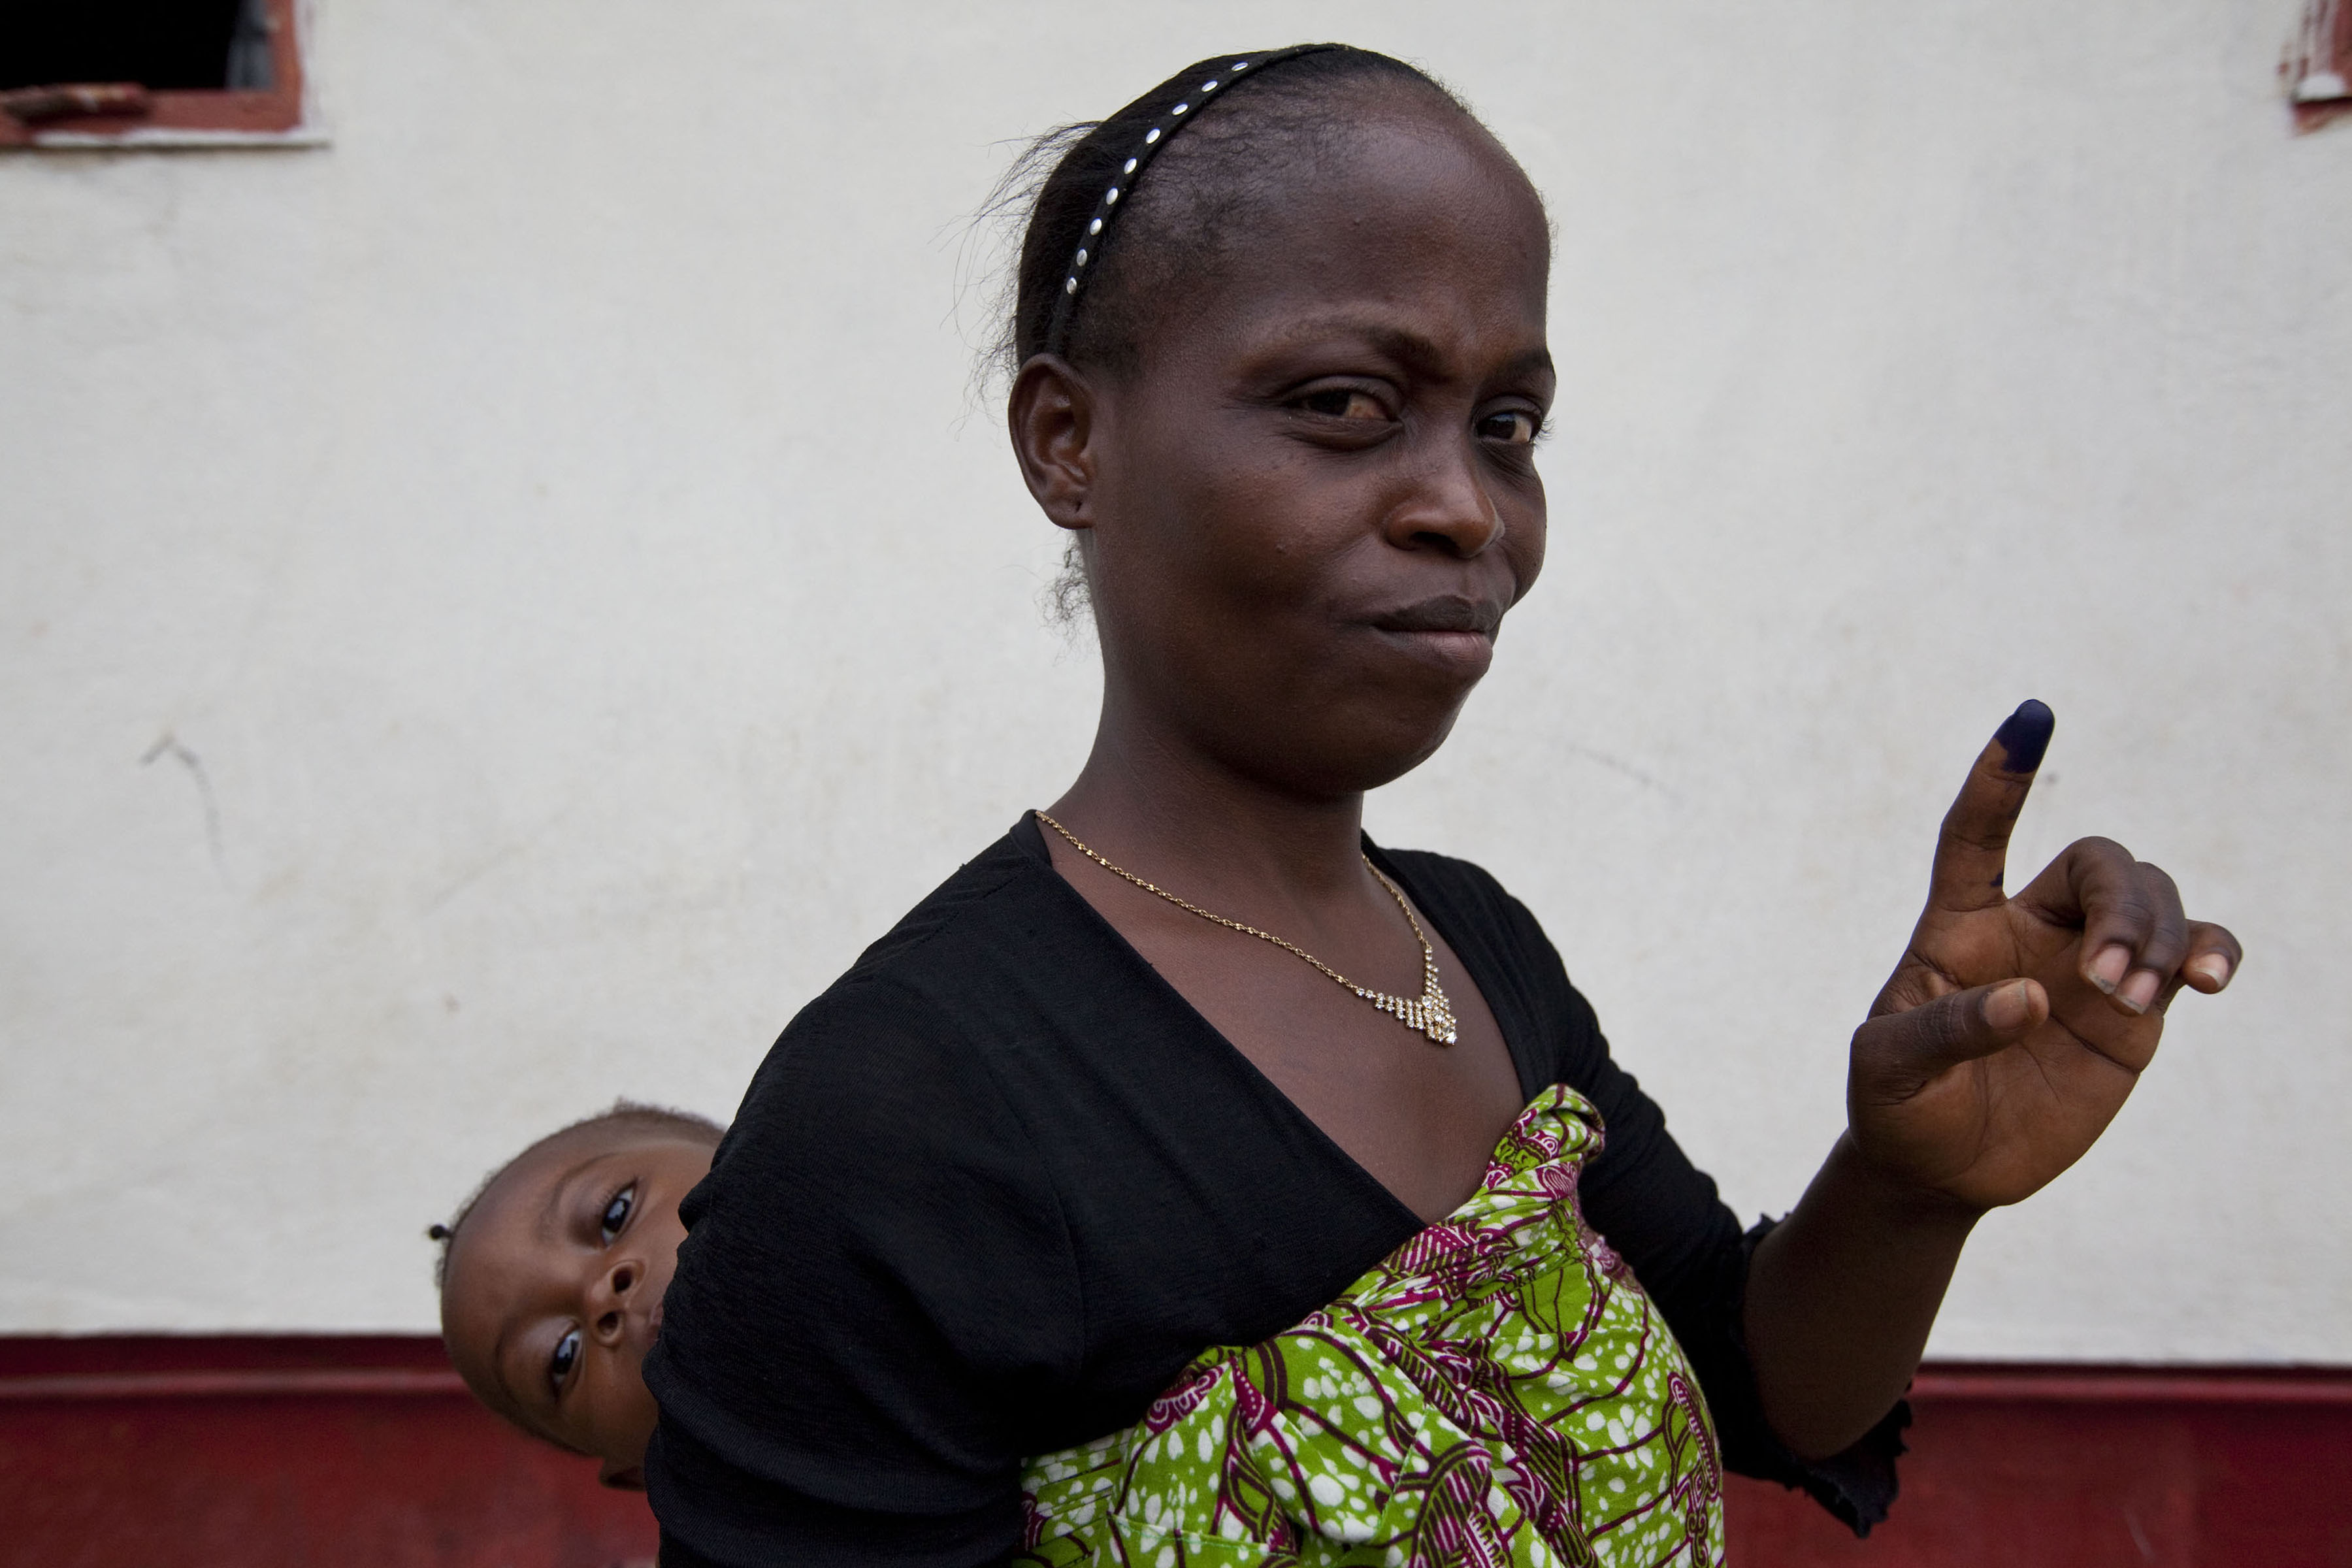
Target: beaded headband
[{"x": 1164, "y": 124}]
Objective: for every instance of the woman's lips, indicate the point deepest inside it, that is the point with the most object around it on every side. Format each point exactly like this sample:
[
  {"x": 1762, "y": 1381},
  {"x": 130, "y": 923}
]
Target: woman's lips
[
  {"x": 1458, "y": 633},
  {"x": 1468, "y": 652}
]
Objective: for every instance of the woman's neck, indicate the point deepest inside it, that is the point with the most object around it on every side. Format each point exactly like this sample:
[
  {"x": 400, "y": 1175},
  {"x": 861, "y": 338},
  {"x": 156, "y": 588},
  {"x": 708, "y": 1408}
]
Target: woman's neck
[{"x": 1175, "y": 814}]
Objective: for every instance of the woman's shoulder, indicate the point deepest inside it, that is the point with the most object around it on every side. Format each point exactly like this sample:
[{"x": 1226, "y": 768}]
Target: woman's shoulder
[
  {"x": 944, "y": 1009},
  {"x": 1000, "y": 884},
  {"x": 1001, "y": 914},
  {"x": 882, "y": 1095}
]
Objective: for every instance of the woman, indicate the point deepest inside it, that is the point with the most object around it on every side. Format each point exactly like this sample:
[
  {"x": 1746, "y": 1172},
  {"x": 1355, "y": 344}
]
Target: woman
[{"x": 1082, "y": 1131}]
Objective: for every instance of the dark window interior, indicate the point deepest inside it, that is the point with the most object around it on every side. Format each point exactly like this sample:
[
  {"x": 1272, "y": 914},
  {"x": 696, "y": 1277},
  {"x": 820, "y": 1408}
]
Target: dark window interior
[{"x": 166, "y": 45}]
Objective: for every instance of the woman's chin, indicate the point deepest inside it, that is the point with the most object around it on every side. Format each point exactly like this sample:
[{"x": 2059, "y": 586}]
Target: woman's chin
[{"x": 1350, "y": 749}]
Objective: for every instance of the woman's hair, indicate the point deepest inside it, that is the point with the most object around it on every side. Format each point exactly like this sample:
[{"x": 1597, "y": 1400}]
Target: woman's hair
[
  {"x": 1178, "y": 216},
  {"x": 624, "y": 1115}
]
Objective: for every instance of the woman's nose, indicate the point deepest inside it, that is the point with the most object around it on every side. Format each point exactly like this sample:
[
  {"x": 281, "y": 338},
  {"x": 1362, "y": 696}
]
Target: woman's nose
[
  {"x": 1447, "y": 510},
  {"x": 610, "y": 1298}
]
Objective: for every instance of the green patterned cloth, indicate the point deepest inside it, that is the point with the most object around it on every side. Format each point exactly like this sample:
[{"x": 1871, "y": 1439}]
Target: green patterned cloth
[{"x": 1499, "y": 1391}]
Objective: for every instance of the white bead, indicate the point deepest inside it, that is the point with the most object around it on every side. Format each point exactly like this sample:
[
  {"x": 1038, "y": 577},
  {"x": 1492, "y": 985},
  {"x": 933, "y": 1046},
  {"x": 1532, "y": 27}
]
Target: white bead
[
  {"x": 1208, "y": 87},
  {"x": 1111, "y": 197},
  {"x": 1179, "y": 109},
  {"x": 1150, "y": 136},
  {"x": 1241, "y": 64},
  {"x": 1071, "y": 287},
  {"x": 1095, "y": 228},
  {"x": 1130, "y": 166},
  {"x": 1082, "y": 256}
]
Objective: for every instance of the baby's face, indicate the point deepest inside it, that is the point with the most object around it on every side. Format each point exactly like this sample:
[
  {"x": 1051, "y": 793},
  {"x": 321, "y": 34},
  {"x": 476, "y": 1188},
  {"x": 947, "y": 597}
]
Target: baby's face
[{"x": 554, "y": 1288}]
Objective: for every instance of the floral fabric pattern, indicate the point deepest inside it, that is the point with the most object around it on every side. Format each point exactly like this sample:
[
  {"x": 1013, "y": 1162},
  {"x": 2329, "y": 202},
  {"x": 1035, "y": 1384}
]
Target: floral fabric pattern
[{"x": 1499, "y": 1391}]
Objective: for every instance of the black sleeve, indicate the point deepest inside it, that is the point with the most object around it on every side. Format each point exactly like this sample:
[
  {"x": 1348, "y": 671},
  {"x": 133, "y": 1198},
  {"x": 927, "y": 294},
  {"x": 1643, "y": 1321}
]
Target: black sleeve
[
  {"x": 875, "y": 1283},
  {"x": 1662, "y": 1215}
]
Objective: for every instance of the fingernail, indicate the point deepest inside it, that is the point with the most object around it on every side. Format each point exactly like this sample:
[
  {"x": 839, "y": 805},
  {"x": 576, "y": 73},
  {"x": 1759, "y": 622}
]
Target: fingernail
[
  {"x": 2212, "y": 966},
  {"x": 2024, "y": 735},
  {"x": 2107, "y": 969},
  {"x": 2008, "y": 1008},
  {"x": 2140, "y": 990}
]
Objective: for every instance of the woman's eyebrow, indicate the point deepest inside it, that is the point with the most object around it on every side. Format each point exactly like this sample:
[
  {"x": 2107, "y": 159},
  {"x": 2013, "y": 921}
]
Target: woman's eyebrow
[
  {"x": 1407, "y": 347},
  {"x": 1402, "y": 344},
  {"x": 1537, "y": 358}
]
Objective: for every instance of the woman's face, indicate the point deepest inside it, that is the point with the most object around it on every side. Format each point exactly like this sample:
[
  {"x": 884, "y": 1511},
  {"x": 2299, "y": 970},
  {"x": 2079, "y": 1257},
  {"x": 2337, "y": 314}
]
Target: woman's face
[{"x": 1314, "y": 499}]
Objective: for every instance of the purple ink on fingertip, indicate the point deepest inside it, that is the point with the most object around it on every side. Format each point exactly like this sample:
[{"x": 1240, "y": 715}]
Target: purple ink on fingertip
[{"x": 2024, "y": 735}]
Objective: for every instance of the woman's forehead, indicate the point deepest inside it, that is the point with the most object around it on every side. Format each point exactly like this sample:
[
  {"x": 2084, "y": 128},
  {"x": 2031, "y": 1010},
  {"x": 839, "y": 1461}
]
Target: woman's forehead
[
  {"x": 1414, "y": 169},
  {"x": 1410, "y": 210}
]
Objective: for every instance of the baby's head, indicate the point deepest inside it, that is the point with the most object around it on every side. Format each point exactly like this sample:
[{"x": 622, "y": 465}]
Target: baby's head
[{"x": 551, "y": 1278}]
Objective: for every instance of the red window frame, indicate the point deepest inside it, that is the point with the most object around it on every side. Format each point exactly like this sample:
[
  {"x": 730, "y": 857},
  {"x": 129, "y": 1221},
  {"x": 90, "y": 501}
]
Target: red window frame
[
  {"x": 2318, "y": 69},
  {"x": 197, "y": 118}
]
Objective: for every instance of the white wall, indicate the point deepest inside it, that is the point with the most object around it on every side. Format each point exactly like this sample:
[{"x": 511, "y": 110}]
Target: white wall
[{"x": 548, "y": 537}]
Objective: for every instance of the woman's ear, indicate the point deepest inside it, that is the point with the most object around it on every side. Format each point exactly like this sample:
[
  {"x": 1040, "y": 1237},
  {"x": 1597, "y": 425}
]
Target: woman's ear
[{"x": 1051, "y": 416}]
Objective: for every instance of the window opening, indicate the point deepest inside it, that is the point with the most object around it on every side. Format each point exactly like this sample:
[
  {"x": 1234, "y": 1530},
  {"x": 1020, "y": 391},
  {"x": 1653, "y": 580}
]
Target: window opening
[{"x": 75, "y": 72}]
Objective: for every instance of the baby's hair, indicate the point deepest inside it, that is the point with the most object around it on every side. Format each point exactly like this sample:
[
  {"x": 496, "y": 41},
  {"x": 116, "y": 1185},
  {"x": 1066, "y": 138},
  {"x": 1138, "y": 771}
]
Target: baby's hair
[{"x": 627, "y": 1114}]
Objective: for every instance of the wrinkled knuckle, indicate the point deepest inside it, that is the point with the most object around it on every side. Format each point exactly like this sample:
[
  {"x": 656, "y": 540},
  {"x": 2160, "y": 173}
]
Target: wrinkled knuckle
[
  {"x": 1944, "y": 1025},
  {"x": 2125, "y": 913},
  {"x": 2161, "y": 886},
  {"x": 1963, "y": 833}
]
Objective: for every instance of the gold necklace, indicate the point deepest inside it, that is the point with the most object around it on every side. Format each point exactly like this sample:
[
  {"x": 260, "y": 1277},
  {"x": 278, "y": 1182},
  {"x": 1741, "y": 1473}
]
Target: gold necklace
[{"x": 1430, "y": 1012}]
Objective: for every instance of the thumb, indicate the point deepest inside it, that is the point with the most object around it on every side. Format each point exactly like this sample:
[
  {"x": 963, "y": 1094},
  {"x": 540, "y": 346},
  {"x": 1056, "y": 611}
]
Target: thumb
[{"x": 1897, "y": 1053}]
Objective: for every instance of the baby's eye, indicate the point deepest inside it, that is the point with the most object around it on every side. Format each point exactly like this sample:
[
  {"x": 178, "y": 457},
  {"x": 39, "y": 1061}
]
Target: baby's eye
[
  {"x": 1343, "y": 403},
  {"x": 559, "y": 1365},
  {"x": 616, "y": 1213},
  {"x": 1511, "y": 427}
]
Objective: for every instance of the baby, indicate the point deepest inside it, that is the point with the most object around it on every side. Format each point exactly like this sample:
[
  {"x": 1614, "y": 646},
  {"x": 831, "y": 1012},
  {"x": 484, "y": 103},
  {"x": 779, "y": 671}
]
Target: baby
[{"x": 552, "y": 1279}]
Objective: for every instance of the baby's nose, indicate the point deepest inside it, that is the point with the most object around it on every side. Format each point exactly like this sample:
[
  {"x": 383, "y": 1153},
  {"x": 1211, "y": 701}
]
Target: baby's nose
[{"x": 625, "y": 1277}]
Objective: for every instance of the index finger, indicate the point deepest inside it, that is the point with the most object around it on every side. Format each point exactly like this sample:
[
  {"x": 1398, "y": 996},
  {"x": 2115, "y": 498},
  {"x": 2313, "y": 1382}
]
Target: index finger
[{"x": 1973, "y": 848}]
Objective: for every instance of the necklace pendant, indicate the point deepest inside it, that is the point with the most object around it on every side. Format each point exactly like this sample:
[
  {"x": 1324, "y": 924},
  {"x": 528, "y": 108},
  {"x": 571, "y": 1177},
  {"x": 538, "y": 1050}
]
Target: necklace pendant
[
  {"x": 1428, "y": 1014},
  {"x": 1437, "y": 1017}
]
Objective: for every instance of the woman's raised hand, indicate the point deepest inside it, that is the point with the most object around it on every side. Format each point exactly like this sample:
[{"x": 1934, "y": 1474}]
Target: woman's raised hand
[{"x": 2014, "y": 1027}]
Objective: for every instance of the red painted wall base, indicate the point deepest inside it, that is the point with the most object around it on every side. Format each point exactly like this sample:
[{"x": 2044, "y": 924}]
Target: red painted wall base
[
  {"x": 2071, "y": 1466},
  {"x": 283, "y": 1453},
  {"x": 305, "y": 1453}
]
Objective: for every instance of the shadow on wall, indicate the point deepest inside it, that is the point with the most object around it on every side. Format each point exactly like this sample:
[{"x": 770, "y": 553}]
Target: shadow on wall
[{"x": 306, "y": 1453}]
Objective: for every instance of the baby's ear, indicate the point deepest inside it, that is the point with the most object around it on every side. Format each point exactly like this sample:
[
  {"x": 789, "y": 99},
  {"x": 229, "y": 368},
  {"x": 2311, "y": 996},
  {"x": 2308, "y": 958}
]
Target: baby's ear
[{"x": 622, "y": 1477}]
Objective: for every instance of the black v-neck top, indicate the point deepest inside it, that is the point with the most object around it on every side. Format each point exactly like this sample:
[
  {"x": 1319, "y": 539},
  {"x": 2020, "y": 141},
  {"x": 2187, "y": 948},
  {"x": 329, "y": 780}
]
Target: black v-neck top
[{"x": 990, "y": 1193}]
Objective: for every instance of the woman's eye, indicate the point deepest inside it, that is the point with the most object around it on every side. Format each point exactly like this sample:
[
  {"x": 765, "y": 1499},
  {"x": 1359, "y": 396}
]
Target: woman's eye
[
  {"x": 1343, "y": 403},
  {"x": 1512, "y": 427},
  {"x": 617, "y": 1214},
  {"x": 560, "y": 1364}
]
